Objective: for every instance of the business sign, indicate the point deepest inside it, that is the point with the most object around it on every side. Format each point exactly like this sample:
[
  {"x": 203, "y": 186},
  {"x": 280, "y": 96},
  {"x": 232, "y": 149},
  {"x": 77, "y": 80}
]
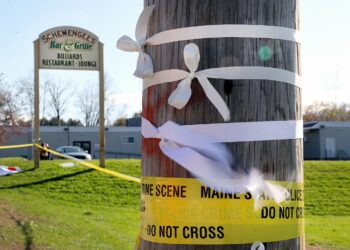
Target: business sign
[{"x": 68, "y": 48}]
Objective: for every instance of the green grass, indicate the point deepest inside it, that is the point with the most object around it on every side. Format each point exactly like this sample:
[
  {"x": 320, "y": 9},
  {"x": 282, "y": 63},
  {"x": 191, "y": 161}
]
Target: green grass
[
  {"x": 327, "y": 185},
  {"x": 69, "y": 208},
  {"x": 77, "y": 208},
  {"x": 327, "y": 202},
  {"x": 328, "y": 231}
]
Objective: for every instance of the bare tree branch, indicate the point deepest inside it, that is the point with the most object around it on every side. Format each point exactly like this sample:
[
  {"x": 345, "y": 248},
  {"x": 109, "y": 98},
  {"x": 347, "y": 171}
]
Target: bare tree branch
[
  {"x": 8, "y": 111},
  {"x": 88, "y": 103},
  {"x": 322, "y": 111},
  {"x": 89, "y": 106},
  {"x": 25, "y": 94},
  {"x": 25, "y": 97},
  {"x": 59, "y": 94}
]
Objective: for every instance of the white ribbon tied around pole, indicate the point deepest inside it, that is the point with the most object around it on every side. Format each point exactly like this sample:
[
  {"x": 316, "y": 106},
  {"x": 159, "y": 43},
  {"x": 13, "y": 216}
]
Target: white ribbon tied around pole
[
  {"x": 229, "y": 73},
  {"x": 183, "y": 92},
  {"x": 144, "y": 62},
  {"x": 210, "y": 161}
]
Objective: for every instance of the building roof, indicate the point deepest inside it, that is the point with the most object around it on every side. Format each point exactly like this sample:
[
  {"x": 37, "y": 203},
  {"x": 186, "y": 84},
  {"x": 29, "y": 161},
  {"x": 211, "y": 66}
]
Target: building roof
[
  {"x": 322, "y": 124},
  {"x": 86, "y": 129}
]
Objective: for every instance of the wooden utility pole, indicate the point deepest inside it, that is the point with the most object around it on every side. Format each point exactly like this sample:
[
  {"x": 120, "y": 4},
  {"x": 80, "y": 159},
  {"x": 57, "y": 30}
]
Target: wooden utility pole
[
  {"x": 36, "y": 119},
  {"x": 102, "y": 107},
  {"x": 248, "y": 100}
]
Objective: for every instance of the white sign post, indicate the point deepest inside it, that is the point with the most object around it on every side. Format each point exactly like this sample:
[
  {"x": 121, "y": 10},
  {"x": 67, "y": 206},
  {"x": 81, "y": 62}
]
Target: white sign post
[{"x": 68, "y": 48}]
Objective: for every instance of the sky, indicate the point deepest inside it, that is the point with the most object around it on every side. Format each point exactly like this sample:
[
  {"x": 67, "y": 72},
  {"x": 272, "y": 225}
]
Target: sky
[
  {"x": 325, "y": 53},
  {"x": 21, "y": 22},
  {"x": 325, "y": 50}
]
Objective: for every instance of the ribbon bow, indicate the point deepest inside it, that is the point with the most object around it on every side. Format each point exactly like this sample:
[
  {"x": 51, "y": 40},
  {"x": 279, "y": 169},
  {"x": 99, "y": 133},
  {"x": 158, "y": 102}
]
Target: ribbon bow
[
  {"x": 195, "y": 152},
  {"x": 183, "y": 92},
  {"x": 209, "y": 161},
  {"x": 144, "y": 61}
]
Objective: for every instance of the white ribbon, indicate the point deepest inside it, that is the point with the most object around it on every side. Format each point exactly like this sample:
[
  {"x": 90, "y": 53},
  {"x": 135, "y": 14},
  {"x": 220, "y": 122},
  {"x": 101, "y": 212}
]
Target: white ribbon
[
  {"x": 250, "y": 131},
  {"x": 200, "y": 154},
  {"x": 229, "y": 73},
  {"x": 144, "y": 61},
  {"x": 225, "y": 30},
  {"x": 195, "y": 152},
  {"x": 183, "y": 92}
]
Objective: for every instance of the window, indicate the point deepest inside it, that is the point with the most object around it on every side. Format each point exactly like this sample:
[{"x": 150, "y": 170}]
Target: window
[
  {"x": 127, "y": 139},
  {"x": 85, "y": 145}
]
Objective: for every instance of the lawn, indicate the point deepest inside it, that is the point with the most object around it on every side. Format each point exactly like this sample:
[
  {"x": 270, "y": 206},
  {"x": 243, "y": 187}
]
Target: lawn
[
  {"x": 68, "y": 208},
  {"x": 77, "y": 208},
  {"x": 327, "y": 202}
]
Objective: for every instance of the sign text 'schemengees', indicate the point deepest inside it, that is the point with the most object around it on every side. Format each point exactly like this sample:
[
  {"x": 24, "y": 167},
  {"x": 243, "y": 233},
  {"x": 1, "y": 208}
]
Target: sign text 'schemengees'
[{"x": 69, "y": 48}]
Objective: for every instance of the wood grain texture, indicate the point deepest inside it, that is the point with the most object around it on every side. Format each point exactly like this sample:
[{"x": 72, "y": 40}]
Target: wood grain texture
[{"x": 248, "y": 100}]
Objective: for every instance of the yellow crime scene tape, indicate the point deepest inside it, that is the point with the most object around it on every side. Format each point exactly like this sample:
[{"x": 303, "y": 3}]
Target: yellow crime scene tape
[
  {"x": 17, "y": 146},
  {"x": 81, "y": 162},
  {"x": 90, "y": 165},
  {"x": 185, "y": 211}
]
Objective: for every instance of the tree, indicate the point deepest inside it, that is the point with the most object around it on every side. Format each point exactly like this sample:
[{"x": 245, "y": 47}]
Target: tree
[
  {"x": 43, "y": 98},
  {"x": 74, "y": 122},
  {"x": 327, "y": 111},
  {"x": 121, "y": 115},
  {"x": 54, "y": 122},
  {"x": 88, "y": 103},
  {"x": 137, "y": 114},
  {"x": 110, "y": 109},
  {"x": 9, "y": 120},
  {"x": 59, "y": 93},
  {"x": 25, "y": 93},
  {"x": 25, "y": 97},
  {"x": 44, "y": 121},
  {"x": 110, "y": 106},
  {"x": 121, "y": 121}
]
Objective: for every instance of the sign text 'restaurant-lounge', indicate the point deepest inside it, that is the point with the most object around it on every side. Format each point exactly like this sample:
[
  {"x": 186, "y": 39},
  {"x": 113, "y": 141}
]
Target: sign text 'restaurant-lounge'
[{"x": 69, "y": 48}]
